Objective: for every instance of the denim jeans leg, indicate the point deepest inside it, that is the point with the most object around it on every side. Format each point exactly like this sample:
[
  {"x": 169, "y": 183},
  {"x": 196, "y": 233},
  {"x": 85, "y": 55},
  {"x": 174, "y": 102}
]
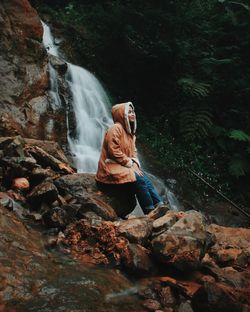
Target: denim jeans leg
[
  {"x": 143, "y": 194},
  {"x": 156, "y": 198}
]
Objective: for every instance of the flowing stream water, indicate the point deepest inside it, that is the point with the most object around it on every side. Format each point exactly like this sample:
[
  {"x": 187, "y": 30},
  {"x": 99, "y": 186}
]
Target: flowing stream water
[{"x": 91, "y": 106}]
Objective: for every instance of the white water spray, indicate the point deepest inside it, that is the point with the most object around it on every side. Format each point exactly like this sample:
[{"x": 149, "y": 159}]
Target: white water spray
[
  {"x": 90, "y": 103},
  {"x": 48, "y": 42}
]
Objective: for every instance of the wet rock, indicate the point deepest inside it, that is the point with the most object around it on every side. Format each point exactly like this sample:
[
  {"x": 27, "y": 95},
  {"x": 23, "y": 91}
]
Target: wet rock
[
  {"x": 229, "y": 276},
  {"x": 137, "y": 230},
  {"x": 23, "y": 65},
  {"x": 12, "y": 146},
  {"x": 44, "y": 192},
  {"x": 46, "y": 159},
  {"x": 158, "y": 212},
  {"x": 40, "y": 174},
  {"x": 83, "y": 188},
  {"x": 60, "y": 217},
  {"x": 21, "y": 184},
  {"x": 218, "y": 297},
  {"x": 21, "y": 253},
  {"x": 137, "y": 259},
  {"x": 162, "y": 224},
  {"x": 91, "y": 216},
  {"x": 186, "y": 288},
  {"x": 185, "y": 307},
  {"x": 232, "y": 247},
  {"x": 60, "y": 66},
  {"x": 183, "y": 244},
  {"x": 12, "y": 203},
  {"x": 167, "y": 298},
  {"x": 148, "y": 293},
  {"x": 151, "y": 305},
  {"x": 96, "y": 243}
]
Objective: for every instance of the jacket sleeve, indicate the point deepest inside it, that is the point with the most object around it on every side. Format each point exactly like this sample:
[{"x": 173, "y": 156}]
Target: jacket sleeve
[
  {"x": 113, "y": 141},
  {"x": 135, "y": 157}
]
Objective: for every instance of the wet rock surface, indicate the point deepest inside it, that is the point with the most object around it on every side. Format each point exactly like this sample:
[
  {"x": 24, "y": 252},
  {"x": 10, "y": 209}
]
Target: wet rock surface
[
  {"x": 177, "y": 260},
  {"x": 26, "y": 105}
]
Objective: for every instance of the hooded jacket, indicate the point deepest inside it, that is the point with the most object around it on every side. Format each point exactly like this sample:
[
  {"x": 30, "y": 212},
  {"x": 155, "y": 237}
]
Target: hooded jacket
[{"x": 118, "y": 149}]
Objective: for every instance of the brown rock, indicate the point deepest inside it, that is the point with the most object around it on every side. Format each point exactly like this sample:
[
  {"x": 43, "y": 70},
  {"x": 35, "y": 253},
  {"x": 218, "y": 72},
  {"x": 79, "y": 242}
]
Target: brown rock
[
  {"x": 185, "y": 307},
  {"x": 207, "y": 279},
  {"x": 21, "y": 184},
  {"x": 46, "y": 159},
  {"x": 165, "y": 222},
  {"x": 151, "y": 305},
  {"x": 45, "y": 192},
  {"x": 82, "y": 187},
  {"x": 219, "y": 297},
  {"x": 96, "y": 243},
  {"x": 232, "y": 247},
  {"x": 24, "y": 79},
  {"x": 231, "y": 277},
  {"x": 137, "y": 259},
  {"x": 158, "y": 212},
  {"x": 167, "y": 298},
  {"x": 137, "y": 230},
  {"x": 60, "y": 217},
  {"x": 39, "y": 174},
  {"x": 183, "y": 244},
  {"x": 186, "y": 288}
]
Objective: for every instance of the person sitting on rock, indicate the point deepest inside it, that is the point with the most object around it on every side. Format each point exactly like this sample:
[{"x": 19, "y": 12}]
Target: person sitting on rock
[{"x": 119, "y": 168}]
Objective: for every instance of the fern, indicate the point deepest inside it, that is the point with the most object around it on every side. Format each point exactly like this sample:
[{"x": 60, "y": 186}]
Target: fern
[
  {"x": 214, "y": 61},
  {"x": 239, "y": 135},
  {"x": 193, "y": 88},
  {"x": 195, "y": 123},
  {"x": 238, "y": 166}
]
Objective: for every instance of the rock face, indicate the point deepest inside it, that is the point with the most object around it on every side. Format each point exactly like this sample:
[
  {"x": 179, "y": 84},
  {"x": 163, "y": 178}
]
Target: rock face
[{"x": 25, "y": 107}]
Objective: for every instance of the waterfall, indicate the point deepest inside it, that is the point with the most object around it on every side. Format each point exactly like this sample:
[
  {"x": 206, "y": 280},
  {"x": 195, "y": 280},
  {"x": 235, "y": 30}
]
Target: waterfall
[
  {"x": 91, "y": 107},
  {"x": 48, "y": 42},
  {"x": 92, "y": 115}
]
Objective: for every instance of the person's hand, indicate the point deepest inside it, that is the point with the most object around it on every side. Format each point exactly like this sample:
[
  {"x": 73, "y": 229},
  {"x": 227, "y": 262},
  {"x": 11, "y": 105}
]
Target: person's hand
[{"x": 137, "y": 169}]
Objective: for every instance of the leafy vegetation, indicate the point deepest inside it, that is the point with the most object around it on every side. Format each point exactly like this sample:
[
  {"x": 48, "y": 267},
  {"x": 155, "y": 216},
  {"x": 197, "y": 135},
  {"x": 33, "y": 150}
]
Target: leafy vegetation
[{"x": 185, "y": 64}]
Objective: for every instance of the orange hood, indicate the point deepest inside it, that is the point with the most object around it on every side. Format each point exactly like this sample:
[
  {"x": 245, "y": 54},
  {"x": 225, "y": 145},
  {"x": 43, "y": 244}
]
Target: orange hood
[{"x": 120, "y": 115}]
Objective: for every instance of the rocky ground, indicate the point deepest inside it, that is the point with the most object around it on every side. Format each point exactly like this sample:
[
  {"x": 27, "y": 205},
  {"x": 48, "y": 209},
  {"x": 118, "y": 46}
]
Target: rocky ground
[{"x": 182, "y": 262}]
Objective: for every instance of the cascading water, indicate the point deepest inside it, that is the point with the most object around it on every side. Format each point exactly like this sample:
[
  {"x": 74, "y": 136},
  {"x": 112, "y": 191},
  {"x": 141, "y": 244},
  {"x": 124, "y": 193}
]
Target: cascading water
[
  {"x": 48, "y": 42},
  {"x": 90, "y": 103},
  {"x": 91, "y": 107}
]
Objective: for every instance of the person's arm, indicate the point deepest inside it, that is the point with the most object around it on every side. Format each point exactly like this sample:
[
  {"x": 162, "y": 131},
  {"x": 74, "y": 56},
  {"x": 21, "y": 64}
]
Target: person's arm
[
  {"x": 113, "y": 141},
  {"x": 134, "y": 156}
]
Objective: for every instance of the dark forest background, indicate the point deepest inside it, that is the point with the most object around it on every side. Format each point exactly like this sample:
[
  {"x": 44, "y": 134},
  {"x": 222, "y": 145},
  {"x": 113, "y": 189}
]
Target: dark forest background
[{"x": 186, "y": 67}]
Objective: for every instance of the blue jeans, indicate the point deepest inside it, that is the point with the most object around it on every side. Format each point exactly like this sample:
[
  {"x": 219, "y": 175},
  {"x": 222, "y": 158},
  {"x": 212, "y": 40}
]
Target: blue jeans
[{"x": 146, "y": 193}]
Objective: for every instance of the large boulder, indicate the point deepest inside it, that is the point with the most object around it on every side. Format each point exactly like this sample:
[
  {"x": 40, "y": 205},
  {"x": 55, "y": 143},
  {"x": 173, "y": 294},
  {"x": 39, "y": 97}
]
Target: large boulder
[
  {"x": 83, "y": 188},
  {"x": 137, "y": 230},
  {"x": 232, "y": 245},
  {"x": 183, "y": 244}
]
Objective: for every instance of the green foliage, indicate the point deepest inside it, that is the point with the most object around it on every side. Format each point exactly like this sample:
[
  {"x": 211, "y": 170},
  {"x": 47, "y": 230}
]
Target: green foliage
[
  {"x": 194, "y": 88},
  {"x": 238, "y": 166},
  {"x": 239, "y": 135},
  {"x": 195, "y": 123}
]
